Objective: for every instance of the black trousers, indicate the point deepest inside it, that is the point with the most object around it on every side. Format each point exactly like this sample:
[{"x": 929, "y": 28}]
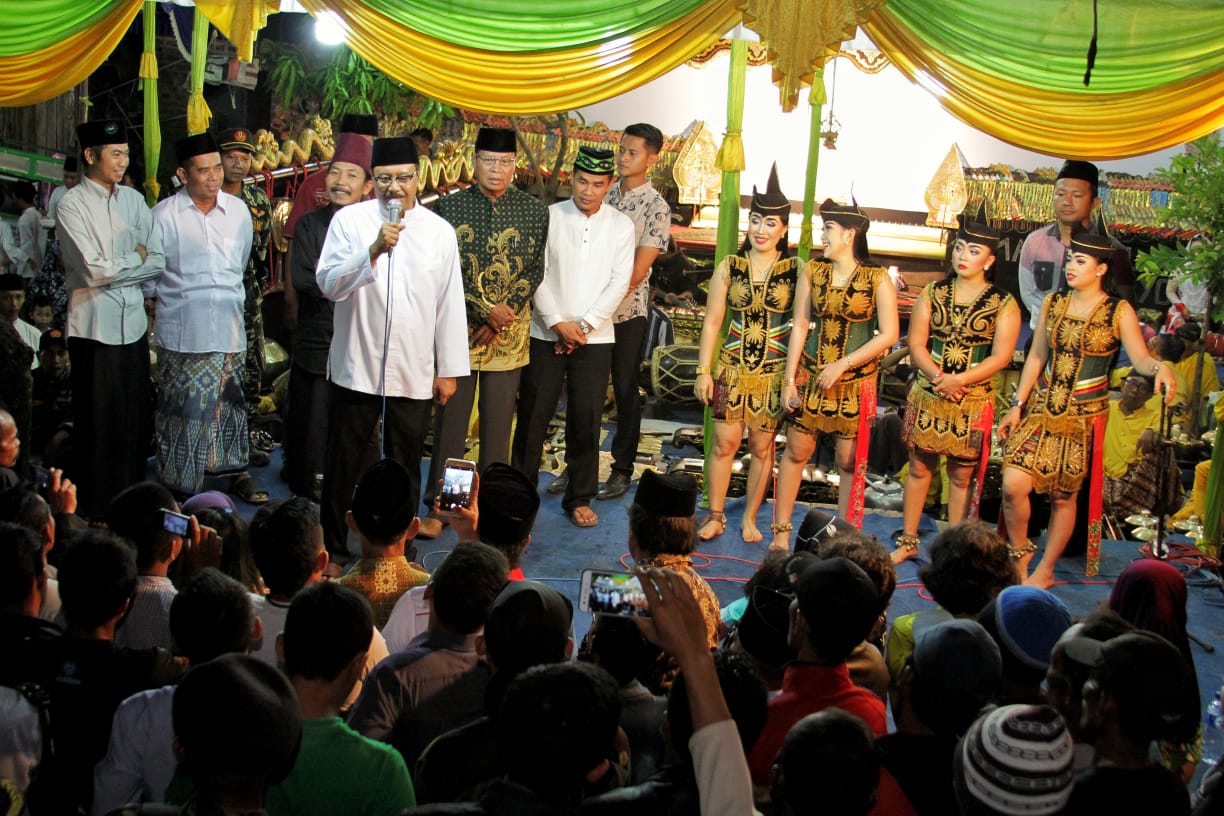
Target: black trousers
[
  {"x": 352, "y": 447},
  {"x": 112, "y": 419},
  {"x": 585, "y": 375},
  {"x": 626, "y": 362},
  {"x": 498, "y": 399},
  {"x": 305, "y": 439}
]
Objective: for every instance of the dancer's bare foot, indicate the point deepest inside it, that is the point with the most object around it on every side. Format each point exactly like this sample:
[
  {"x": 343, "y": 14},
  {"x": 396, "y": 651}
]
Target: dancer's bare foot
[
  {"x": 713, "y": 525},
  {"x": 907, "y": 548},
  {"x": 781, "y": 539},
  {"x": 1022, "y": 556},
  {"x": 1042, "y": 578},
  {"x": 749, "y": 531}
]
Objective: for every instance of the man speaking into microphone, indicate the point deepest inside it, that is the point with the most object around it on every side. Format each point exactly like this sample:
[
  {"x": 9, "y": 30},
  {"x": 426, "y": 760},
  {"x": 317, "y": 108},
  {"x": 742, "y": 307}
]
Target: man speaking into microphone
[{"x": 392, "y": 268}]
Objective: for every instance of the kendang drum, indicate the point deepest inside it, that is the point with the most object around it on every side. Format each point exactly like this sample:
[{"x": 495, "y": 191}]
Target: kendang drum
[{"x": 673, "y": 373}]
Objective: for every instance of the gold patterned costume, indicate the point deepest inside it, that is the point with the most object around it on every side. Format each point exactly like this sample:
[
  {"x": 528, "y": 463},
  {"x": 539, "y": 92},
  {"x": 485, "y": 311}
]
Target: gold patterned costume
[
  {"x": 1052, "y": 440},
  {"x": 961, "y": 336},
  {"x": 845, "y": 319},
  {"x": 753, "y": 357}
]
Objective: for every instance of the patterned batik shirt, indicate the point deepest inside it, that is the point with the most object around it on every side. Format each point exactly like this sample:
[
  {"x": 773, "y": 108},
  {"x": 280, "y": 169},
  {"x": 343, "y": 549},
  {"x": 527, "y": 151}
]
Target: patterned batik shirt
[
  {"x": 651, "y": 218},
  {"x": 501, "y": 252}
]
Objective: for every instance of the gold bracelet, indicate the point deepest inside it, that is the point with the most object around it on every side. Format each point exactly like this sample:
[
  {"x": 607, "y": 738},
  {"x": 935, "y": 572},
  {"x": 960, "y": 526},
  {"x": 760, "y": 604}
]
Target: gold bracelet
[
  {"x": 789, "y": 381},
  {"x": 703, "y": 369}
]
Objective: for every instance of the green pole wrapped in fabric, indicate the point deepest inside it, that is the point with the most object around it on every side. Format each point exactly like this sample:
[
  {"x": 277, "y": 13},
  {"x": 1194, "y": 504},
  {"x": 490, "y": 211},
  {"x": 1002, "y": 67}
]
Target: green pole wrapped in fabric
[
  {"x": 152, "y": 119},
  {"x": 1213, "y": 517},
  {"x": 198, "y": 114},
  {"x": 816, "y": 100},
  {"x": 731, "y": 162}
]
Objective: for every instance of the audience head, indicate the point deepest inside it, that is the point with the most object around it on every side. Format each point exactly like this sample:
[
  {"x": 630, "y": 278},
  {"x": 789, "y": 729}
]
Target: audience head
[
  {"x": 327, "y": 634},
  {"x": 383, "y": 511},
  {"x": 10, "y": 444},
  {"x": 953, "y": 673},
  {"x": 12, "y": 296},
  {"x": 818, "y": 527},
  {"x": 22, "y": 577},
  {"x": 835, "y": 607},
  {"x": 1169, "y": 347},
  {"x": 1140, "y": 689},
  {"x": 863, "y": 549},
  {"x": 137, "y": 515},
  {"x": 1014, "y": 760},
  {"x": 661, "y": 518},
  {"x": 969, "y": 566},
  {"x": 97, "y": 578},
  {"x": 827, "y": 764},
  {"x": 1025, "y": 622},
  {"x": 556, "y": 727},
  {"x": 1064, "y": 680},
  {"x": 528, "y": 624},
  {"x": 1151, "y": 595},
  {"x": 423, "y": 139},
  {"x": 616, "y": 645},
  {"x": 742, "y": 688},
  {"x": 1189, "y": 332},
  {"x": 508, "y": 506},
  {"x": 237, "y": 727},
  {"x": 464, "y": 586},
  {"x": 287, "y": 544},
  {"x": 762, "y": 632},
  {"x": 237, "y": 561},
  {"x": 23, "y": 506},
  {"x": 212, "y": 615},
  {"x": 52, "y": 346}
]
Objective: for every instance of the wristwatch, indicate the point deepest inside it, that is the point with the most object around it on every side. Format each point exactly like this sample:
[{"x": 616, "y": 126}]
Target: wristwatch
[
  {"x": 586, "y": 327},
  {"x": 1015, "y": 403}
]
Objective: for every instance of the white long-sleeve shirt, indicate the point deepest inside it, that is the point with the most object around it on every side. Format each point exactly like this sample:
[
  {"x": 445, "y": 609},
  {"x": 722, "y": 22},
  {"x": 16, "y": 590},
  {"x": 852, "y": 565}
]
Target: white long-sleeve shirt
[
  {"x": 418, "y": 283},
  {"x": 200, "y": 296},
  {"x": 31, "y": 237},
  {"x": 98, "y": 233},
  {"x": 587, "y": 266}
]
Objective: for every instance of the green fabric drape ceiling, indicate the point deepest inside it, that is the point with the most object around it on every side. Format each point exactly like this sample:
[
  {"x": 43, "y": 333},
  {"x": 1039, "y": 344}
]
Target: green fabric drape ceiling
[{"x": 1012, "y": 70}]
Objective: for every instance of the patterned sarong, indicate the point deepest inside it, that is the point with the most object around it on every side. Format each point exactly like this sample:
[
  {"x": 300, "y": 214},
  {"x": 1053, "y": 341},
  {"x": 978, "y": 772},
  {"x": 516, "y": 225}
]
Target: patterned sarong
[{"x": 201, "y": 417}]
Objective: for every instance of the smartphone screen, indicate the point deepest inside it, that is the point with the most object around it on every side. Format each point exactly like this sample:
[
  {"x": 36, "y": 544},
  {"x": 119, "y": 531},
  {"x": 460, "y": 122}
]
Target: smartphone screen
[
  {"x": 42, "y": 480},
  {"x": 456, "y": 485},
  {"x": 605, "y": 592},
  {"x": 175, "y": 523}
]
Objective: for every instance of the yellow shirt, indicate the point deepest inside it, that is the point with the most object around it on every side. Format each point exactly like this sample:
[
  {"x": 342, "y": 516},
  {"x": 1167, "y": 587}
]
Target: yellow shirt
[
  {"x": 1210, "y": 381},
  {"x": 1122, "y": 434}
]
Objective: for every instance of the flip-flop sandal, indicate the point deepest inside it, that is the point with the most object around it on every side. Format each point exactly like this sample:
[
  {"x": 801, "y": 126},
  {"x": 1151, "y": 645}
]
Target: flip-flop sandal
[
  {"x": 250, "y": 491},
  {"x": 589, "y": 521}
]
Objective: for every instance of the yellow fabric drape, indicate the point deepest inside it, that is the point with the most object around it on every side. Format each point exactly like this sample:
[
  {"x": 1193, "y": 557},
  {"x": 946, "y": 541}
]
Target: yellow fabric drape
[
  {"x": 1076, "y": 126},
  {"x": 239, "y": 21},
  {"x": 526, "y": 84},
  {"x": 801, "y": 35},
  {"x": 198, "y": 112},
  {"x": 51, "y": 71}
]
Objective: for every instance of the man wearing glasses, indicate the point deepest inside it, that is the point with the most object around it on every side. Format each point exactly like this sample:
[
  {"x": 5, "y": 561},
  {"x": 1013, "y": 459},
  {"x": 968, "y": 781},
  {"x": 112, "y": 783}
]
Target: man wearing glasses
[
  {"x": 399, "y": 339},
  {"x": 501, "y": 232}
]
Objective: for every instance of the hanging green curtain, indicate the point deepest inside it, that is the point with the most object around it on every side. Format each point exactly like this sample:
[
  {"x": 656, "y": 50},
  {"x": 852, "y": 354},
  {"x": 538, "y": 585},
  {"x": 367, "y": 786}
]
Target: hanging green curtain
[
  {"x": 816, "y": 101},
  {"x": 198, "y": 114},
  {"x": 514, "y": 26},
  {"x": 731, "y": 162},
  {"x": 50, "y": 46},
  {"x": 152, "y": 119},
  {"x": 1213, "y": 519},
  {"x": 1016, "y": 71}
]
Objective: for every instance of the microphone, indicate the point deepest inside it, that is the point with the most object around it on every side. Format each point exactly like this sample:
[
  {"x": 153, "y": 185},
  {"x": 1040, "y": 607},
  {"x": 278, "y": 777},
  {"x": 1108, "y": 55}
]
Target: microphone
[{"x": 394, "y": 209}]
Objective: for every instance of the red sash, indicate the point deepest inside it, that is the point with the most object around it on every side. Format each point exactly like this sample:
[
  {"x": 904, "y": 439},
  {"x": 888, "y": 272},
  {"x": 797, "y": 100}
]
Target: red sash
[
  {"x": 1096, "y": 494},
  {"x": 984, "y": 424},
  {"x": 862, "y": 444}
]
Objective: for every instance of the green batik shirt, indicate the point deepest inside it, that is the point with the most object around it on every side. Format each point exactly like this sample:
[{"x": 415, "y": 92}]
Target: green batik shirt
[
  {"x": 501, "y": 252},
  {"x": 257, "y": 272}
]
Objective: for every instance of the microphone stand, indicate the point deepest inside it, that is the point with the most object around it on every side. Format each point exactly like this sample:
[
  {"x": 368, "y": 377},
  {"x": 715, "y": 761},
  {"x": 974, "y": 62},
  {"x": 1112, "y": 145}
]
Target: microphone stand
[{"x": 394, "y": 209}]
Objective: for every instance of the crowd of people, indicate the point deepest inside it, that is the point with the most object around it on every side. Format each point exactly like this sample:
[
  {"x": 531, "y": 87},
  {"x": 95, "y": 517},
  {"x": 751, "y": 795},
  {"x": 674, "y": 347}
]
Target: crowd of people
[{"x": 175, "y": 655}]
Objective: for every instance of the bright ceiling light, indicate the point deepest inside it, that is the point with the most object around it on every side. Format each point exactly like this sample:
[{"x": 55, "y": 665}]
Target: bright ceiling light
[{"x": 329, "y": 30}]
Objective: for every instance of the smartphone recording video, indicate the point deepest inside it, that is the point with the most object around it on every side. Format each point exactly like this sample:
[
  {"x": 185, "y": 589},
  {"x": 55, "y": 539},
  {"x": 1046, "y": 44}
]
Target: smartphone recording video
[
  {"x": 456, "y": 486},
  {"x": 175, "y": 523},
  {"x": 605, "y": 592}
]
